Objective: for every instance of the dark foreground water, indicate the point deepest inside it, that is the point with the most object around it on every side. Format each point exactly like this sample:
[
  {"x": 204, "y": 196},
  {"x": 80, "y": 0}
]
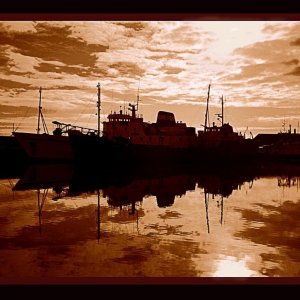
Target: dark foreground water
[{"x": 205, "y": 224}]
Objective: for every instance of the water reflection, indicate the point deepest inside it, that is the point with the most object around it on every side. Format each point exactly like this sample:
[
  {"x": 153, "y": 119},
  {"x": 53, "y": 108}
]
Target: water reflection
[
  {"x": 238, "y": 221},
  {"x": 66, "y": 181}
]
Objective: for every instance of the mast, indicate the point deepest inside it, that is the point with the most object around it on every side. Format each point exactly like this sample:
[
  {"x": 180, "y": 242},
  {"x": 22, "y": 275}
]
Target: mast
[
  {"x": 221, "y": 115},
  {"x": 98, "y": 107},
  {"x": 206, "y": 113},
  {"x": 222, "y": 213},
  {"x": 98, "y": 215},
  {"x": 222, "y": 101},
  {"x": 41, "y": 203},
  {"x": 138, "y": 97},
  {"x": 206, "y": 196},
  {"x": 40, "y": 110}
]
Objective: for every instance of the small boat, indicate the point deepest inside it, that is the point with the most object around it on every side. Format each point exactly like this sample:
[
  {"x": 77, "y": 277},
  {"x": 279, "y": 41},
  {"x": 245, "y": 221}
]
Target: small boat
[{"x": 279, "y": 146}]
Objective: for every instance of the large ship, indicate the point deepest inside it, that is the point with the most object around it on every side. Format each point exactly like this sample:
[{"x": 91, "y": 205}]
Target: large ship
[{"x": 128, "y": 140}]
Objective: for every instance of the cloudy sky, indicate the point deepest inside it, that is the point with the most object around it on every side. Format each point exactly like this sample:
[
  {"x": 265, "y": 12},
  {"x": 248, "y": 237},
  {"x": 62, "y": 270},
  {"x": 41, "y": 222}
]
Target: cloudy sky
[{"x": 254, "y": 64}]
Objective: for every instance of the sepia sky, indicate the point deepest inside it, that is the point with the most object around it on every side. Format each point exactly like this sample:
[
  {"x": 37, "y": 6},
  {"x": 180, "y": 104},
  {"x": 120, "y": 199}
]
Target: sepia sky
[{"x": 254, "y": 64}]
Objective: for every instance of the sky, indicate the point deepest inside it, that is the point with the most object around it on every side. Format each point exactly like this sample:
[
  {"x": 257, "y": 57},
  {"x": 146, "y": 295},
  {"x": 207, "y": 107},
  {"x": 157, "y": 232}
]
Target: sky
[{"x": 253, "y": 64}]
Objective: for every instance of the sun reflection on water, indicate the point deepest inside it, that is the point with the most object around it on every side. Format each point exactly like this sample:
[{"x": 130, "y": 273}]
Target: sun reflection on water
[{"x": 229, "y": 266}]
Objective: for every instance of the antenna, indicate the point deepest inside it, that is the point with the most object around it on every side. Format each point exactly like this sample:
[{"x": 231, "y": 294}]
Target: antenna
[
  {"x": 283, "y": 125},
  {"x": 134, "y": 107},
  {"x": 138, "y": 96},
  {"x": 207, "y": 113}
]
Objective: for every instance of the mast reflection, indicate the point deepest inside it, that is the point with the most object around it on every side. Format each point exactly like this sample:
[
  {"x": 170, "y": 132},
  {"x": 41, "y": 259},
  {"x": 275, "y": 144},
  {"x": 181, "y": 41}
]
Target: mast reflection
[{"x": 126, "y": 189}]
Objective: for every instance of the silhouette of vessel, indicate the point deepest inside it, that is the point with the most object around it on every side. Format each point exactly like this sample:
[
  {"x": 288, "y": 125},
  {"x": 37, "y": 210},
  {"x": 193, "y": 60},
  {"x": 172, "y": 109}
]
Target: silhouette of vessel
[
  {"x": 49, "y": 147},
  {"x": 280, "y": 146},
  {"x": 128, "y": 140}
]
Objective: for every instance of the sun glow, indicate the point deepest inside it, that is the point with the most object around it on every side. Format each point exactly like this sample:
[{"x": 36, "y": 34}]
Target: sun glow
[{"x": 230, "y": 266}]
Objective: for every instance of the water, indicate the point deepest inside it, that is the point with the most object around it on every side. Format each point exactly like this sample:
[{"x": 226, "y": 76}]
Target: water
[{"x": 204, "y": 224}]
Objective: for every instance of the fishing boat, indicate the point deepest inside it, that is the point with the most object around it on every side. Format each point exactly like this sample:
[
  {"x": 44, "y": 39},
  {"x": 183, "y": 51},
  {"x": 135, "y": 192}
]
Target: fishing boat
[
  {"x": 222, "y": 143},
  {"x": 128, "y": 140},
  {"x": 48, "y": 147},
  {"x": 279, "y": 146}
]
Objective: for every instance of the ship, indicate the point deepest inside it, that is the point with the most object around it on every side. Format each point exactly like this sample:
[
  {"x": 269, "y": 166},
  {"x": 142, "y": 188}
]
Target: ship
[
  {"x": 221, "y": 144},
  {"x": 48, "y": 147},
  {"x": 279, "y": 146},
  {"x": 128, "y": 140}
]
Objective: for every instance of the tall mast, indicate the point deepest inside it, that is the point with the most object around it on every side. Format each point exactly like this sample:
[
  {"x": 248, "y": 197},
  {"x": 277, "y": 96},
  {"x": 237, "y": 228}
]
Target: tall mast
[
  {"x": 222, "y": 213},
  {"x": 222, "y": 112},
  {"x": 138, "y": 97},
  {"x": 206, "y": 113},
  {"x": 206, "y": 196},
  {"x": 99, "y": 106},
  {"x": 221, "y": 115},
  {"x": 40, "y": 111}
]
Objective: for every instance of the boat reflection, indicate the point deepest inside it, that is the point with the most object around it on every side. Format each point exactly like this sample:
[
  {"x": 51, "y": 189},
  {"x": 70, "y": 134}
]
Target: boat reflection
[{"x": 125, "y": 190}]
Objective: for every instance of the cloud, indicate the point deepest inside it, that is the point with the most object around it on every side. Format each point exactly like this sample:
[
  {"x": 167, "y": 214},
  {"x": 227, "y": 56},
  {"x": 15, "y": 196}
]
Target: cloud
[
  {"x": 171, "y": 70},
  {"x": 73, "y": 70},
  {"x": 7, "y": 84},
  {"x": 295, "y": 42},
  {"x": 4, "y": 58},
  {"x": 9, "y": 111},
  {"x": 174, "y": 61},
  {"x": 137, "y": 26},
  {"x": 53, "y": 43},
  {"x": 127, "y": 69},
  {"x": 295, "y": 72},
  {"x": 291, "y": 62}
]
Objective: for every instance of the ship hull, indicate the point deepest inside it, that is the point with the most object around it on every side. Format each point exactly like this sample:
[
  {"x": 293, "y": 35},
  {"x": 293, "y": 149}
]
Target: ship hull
[
  {"x": 94, "y": 149},
  {"x": 44, "y": 147},
  {"x": 102, "y": 151}
]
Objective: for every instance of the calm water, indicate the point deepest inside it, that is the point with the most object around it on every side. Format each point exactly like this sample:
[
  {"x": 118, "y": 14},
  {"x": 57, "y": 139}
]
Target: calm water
[{"x": 202, "y": 225}]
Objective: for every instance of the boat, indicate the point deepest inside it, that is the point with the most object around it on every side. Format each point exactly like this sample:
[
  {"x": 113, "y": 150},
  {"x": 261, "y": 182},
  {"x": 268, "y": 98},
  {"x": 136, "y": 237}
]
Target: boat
[
  {"x": 45, "y": 146},
  {"x": 128, "y": 140},
  {"x": 279, "y": 146},
  {"x": 222, "y": 143}
]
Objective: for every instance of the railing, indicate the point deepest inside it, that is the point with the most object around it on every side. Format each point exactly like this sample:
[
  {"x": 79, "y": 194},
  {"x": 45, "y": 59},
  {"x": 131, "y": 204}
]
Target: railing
[{"x": 64, "y": 128}]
